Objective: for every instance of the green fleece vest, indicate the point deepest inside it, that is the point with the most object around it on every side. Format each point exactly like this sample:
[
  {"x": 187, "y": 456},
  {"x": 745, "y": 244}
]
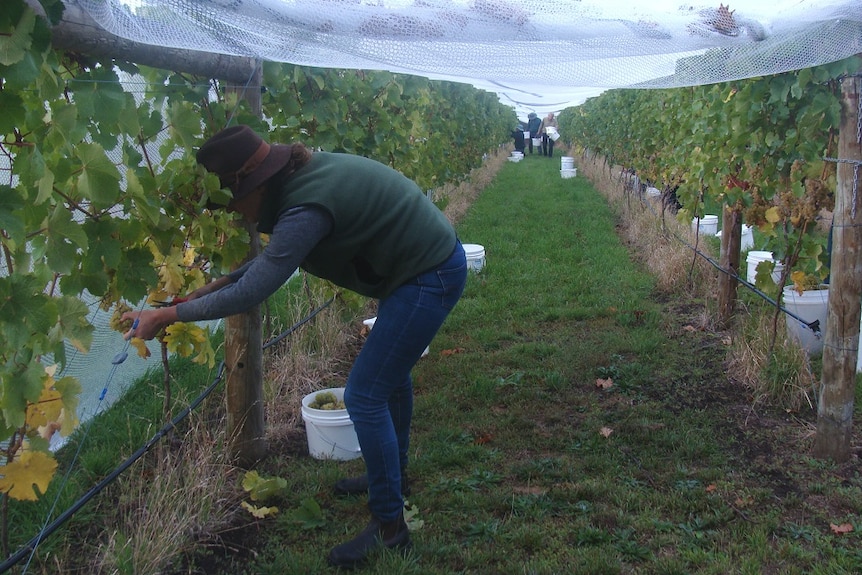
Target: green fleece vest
[{"x": 385, "y": 230}]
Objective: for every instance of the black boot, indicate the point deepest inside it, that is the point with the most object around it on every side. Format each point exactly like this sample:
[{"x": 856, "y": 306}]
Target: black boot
[
  {"x": 391, "y": 535},
  {"x": 359, "y": 485}
]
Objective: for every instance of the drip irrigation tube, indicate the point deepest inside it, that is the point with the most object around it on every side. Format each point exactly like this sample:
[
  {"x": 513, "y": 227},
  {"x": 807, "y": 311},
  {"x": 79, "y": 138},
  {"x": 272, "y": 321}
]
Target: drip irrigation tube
[{"x": 298, "y": 325}]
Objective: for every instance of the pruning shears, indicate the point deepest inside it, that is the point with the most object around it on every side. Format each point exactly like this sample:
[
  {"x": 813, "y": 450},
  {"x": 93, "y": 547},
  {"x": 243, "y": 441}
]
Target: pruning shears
[{"x": 171, "y": 303}]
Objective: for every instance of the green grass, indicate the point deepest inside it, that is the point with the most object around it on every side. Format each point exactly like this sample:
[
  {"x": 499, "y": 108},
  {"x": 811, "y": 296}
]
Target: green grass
[{"x": 521, "y": 464}]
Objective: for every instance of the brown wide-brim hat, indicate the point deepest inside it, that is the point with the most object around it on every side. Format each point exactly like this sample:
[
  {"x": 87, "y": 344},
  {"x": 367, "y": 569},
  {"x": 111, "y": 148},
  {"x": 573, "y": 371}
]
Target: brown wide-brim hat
[{"x": 241, "y": 159}]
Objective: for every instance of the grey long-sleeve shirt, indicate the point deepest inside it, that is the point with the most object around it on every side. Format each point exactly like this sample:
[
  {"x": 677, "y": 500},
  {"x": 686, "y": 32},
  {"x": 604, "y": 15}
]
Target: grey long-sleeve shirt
[{"x": 294, "y": 235}]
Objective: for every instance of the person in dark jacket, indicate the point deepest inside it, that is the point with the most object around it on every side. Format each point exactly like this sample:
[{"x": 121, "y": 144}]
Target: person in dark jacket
[
  {"x": 534, "y": 127},
  {"x": 365, "y": 227},
  {"x": 518, "y": 135}
]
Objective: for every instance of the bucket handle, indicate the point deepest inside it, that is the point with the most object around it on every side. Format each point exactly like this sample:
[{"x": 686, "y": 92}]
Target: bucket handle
[{"x": 331, "y": 443}]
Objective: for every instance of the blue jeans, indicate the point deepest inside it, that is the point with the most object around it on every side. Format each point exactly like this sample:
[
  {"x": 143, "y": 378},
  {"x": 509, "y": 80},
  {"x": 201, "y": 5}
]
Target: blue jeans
[{"x": 379, "y": 391}]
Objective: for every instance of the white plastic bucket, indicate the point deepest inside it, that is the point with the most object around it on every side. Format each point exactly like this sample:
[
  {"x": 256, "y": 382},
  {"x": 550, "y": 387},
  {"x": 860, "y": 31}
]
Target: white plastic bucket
[
  {"x": 747, "y": 241},
  {"x": 568, "y": 173},
  {"x": 369, "y": 323},
  {"x": 330, "y": 432},
  {"x": 475, "y": 256},
  {"x": 537, "y": 141},
  {"x": 753, "y": 260},
  {"x": 567, "y": 162},
  {"x": 707, "y": 226},
  {"x": 811, "y": 305}
]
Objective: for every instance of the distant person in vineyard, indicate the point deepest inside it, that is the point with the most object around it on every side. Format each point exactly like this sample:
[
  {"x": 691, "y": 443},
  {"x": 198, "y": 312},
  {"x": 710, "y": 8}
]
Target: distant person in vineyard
[
  {"x": 550, "y": 121},
  {"x": 518, "y": 135},
  {"x": 367, "y": 228},
  {"x": 534, "y": 126}
]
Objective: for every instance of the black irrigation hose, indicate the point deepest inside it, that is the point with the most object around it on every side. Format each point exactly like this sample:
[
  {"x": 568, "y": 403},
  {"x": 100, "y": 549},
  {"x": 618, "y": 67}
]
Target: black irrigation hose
[
  {"x": 298, "y": 325},
  {"x": 814, "y": 326},
  {"x": 31, "y": 545}
]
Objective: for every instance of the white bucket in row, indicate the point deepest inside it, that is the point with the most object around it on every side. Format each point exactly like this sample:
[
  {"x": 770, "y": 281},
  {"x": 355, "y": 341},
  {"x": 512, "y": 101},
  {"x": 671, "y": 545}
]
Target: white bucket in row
[
  {"x": 330, "y": 432},
  {"x": 475, "y": 256},
  {"x": 706, "y": 226},
  {"x": 753, "y": 260},
  {"x": 537, "y": 141},
  {"x": 568, "y": 173},
  {"x": 747, "y": 241},
  {"x": 369, "y": 323},
  {"x": 567, "y": 162},
  {"x": 810, "y": 305}
]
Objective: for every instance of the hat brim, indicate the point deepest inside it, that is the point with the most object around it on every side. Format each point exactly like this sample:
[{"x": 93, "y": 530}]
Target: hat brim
[{"x": 277, "y": 158}]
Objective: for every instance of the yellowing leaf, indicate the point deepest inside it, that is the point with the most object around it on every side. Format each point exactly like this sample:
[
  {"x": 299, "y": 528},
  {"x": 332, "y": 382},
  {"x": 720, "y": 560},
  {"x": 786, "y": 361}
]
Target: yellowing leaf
[
  {"x": 206, "y": 356},
  {"x": 773, "y": 215},
  {"x": 141, "y": 347},
  {"x": 184, "y": 339},
  {"x": 606, "y": 432},
  {"x": 33, "y": 468},
  {"x": 259, "y": 512},
  {"x": 189, "y": 255}
]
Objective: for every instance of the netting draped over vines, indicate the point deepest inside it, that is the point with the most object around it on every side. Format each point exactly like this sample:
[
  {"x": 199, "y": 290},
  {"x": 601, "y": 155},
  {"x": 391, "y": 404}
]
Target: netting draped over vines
[{"x": 537, "y": 54}]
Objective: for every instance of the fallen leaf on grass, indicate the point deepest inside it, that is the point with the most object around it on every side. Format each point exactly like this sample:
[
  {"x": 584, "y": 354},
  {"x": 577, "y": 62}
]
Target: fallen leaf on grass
[
  {"x": 259, "y": 512},
  {"x": 606, "y": 431},
  {"x": 604, "y": 383},
  {"x": 689, "y": 328},
  {"x": 841, "y": 529},
  {"x": 483, "y": 439},
  {"x": 448, "y": 352},
  {"x": 711, "y": 487}
]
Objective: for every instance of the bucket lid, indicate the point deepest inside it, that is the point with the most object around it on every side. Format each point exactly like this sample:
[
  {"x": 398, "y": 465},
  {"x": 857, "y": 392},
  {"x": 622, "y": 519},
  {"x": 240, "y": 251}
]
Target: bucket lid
[{"x": 473, "y": 249}]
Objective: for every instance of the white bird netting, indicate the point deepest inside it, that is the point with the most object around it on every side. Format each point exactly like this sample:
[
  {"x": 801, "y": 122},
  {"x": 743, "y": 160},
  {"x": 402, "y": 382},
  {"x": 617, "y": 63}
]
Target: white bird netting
[{"x": 537, "y": 54}]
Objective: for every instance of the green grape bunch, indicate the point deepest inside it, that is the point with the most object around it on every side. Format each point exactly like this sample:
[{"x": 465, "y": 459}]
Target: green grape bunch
[
  {"x": 327, "y": 401},
  {"x": 116, "y": 323}
]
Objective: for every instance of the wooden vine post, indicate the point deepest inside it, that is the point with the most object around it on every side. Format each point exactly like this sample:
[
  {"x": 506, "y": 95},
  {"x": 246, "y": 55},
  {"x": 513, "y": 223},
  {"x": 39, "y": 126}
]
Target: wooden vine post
[
  {"x": 244, "y": 350},
  {"x": 841, "y": 343},
  {"x": 731, "y": 244}
]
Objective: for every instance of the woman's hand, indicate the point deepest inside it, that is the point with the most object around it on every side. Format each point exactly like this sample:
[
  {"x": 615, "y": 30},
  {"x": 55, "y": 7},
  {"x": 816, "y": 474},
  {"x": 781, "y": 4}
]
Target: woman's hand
[{"x": 149, "y": 322}]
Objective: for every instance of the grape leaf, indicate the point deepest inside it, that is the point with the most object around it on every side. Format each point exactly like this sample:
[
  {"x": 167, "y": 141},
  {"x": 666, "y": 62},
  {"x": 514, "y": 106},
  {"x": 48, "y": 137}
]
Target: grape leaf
[
  {"x": 259, "y": 512},
  {"x": 33, "y": 468},
  {"x": 15, "y": 43},
  {"x": 260, "y": 488},
  {"x": 99, "y": 179}
]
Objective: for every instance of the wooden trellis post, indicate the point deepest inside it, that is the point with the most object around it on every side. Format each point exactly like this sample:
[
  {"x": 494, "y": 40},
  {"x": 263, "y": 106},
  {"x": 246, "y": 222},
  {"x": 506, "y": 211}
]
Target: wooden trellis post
[
  {"x": 841, "y": 343},
  {"x": 731, "y": 243},
  {"x": 244, "y": 351}
]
